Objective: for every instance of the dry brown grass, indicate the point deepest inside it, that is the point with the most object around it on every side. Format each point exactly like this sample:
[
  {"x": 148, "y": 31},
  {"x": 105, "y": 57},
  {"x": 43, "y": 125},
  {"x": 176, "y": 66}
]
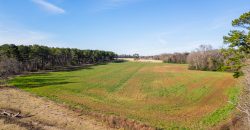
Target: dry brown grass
[{"x": 44, "y": 114}]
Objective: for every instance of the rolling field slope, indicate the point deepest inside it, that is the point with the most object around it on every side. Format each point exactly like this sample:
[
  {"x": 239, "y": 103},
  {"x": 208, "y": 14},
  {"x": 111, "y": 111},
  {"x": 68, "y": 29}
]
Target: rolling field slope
[{"x": 161, "y": 95}]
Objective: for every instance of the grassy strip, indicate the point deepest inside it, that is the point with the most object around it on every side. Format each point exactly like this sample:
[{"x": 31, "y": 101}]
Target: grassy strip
[
  {"x": 222, "y": 113},
  {"x": 198, "y": 93},
  {"x": 123, "y": 81}
]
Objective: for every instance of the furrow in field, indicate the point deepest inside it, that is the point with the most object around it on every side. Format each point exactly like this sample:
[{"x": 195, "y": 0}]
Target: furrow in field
[
  {"x": 124, "y": 80},
  {"x": 162, "y": 95}
]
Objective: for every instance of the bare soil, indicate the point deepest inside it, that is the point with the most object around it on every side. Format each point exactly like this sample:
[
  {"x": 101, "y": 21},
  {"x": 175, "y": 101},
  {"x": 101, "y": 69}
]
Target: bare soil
[{"x": 41, "y": 114}]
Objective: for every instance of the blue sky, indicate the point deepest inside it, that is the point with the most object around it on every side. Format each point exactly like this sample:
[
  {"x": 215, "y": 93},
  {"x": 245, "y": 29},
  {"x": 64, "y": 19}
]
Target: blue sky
[{"x": 146, "y": 27}]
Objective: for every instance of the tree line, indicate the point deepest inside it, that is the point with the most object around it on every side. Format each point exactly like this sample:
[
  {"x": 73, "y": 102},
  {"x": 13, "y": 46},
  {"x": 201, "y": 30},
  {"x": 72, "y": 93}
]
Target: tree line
[
  {"x": 206, "y": 58},
  {"x": 202, "y": 58},
  {"x": 231, "y": 58},
  {"x": 180, "y": 58},
  {"x": 19, "y": 58}
]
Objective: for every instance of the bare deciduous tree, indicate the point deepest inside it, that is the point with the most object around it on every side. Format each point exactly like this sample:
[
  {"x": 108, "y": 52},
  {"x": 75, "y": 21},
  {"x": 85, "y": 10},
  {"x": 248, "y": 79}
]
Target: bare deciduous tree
[
  {"x": 179, "y": 58},
  {"x": 8, "y": 67},
  {"x": 205, "y": 58}
]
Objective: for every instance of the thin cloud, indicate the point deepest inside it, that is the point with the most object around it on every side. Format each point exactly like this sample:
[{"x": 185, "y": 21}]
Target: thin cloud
[
  {"x": 220, "y": 23},
  {"x": 49, "y": 6},
  {"x": 119, "y": 1},
  {"x": 113, "y": 4},
  {"x": 11, "y": 33},
  {"x": 116, "y": 3}
]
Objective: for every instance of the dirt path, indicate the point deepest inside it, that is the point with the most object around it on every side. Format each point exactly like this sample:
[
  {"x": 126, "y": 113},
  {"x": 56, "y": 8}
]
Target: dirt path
[{"x": 39, "y": 113}]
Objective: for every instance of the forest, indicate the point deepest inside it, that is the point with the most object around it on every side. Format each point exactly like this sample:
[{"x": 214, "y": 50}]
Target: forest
[{"x": 20, "y": 58}]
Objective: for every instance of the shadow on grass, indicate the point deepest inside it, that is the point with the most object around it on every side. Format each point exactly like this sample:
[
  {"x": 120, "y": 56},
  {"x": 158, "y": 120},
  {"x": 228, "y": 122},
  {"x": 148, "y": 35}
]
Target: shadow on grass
[
  {"x": 72, "y": 68},
  {"x": 38, "y": 80},
  {"x": 45, "y": 78},
  {"x": 120, "y": 61},
  {"x": 86, "y": 66}
]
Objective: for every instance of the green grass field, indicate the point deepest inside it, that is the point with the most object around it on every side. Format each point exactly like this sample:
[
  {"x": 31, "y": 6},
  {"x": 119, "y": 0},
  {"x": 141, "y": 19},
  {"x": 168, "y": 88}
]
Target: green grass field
[{"x": 162, "y": 95}]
